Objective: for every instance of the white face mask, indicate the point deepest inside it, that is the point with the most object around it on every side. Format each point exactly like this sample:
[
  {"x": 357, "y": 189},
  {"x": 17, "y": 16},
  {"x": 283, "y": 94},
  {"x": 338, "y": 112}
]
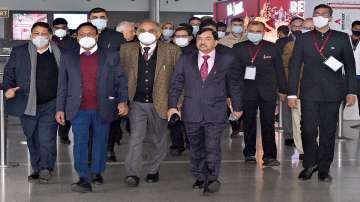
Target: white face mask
[
  {"x": 99, "y": 23},
  {"x": 167, "y": 33},
  {"x": 40, "y": 41},
  {"x": 254, "y": 37},
  {"x": 221, "y": 34},
  {"x": 195, "y": 29},
  {"x": 87, "y": 42},
  {"x": 146, "y": 38},
  {"x": 182, "y": 41},
  {"x": 60, "y": 33},
  {"x": 305, "y": 31},
  {"x": 320, "y": 21}
]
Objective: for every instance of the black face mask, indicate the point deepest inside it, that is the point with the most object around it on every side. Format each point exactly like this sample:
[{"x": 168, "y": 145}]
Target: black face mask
[
  {"x": 356, "y": 33},
  {"x": 297, "y": 34}
]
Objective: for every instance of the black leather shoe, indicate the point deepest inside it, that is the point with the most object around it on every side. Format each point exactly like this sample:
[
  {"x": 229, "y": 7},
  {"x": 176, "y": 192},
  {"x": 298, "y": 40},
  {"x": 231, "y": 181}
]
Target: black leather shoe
[
  {"x": 82, "y": 186},
  {"x": 132, "y": 181},
  {"x": 250, "y": 159},
  {"x": 306, "y": 174},
  {"x": 98, "y": 179},
  {"x": 212, "y": 187},
  {"x": 152, "y": 178},
  {"x": 198, "y": 184},
  {"x": 33, "y": 177},
  {"x": 271, "y": 162},
  {"x": 324, "y": 177}
]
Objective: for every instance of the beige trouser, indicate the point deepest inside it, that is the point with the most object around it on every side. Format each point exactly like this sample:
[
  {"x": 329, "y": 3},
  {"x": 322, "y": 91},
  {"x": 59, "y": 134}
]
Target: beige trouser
[
  {"x": 296, "y": 118},
  {"x": 296, "y": 121}
]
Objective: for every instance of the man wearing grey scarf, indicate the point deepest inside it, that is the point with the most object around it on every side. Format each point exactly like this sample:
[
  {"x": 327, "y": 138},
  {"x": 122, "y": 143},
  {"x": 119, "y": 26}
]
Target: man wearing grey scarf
[{"x": 30, "y": 85}]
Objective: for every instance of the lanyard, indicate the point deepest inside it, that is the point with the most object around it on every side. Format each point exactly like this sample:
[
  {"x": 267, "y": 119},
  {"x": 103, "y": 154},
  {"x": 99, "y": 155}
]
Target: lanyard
[
  {"x": 254, "y": 56},
  {"x": 324, "y": 45}
]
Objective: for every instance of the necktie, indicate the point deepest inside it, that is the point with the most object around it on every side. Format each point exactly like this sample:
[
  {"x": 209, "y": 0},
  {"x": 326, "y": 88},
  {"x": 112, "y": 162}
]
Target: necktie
[
  {"x": 87, "y": 53},
  {"x": 204, "y": 68},
  {"x": 146, "y": 53}
]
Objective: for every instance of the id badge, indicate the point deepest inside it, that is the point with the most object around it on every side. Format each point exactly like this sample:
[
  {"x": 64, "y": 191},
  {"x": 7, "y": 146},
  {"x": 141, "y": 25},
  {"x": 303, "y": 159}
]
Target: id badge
[
  {"x": 250, "y": 73},
  {"x": 333, "y": 63}
]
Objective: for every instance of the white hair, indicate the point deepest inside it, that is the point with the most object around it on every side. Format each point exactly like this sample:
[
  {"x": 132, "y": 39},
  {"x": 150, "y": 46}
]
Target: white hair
[{"x": 123, "y": 25}]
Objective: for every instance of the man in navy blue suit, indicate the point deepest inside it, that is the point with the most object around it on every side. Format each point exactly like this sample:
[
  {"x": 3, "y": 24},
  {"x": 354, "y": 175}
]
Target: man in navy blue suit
[
  {"x": 92, "y": 92},
  {"x": 203, "y": 76}
]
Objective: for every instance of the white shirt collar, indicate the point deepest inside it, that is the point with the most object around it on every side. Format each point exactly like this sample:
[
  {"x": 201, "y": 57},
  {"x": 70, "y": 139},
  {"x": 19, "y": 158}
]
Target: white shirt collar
[
  {"x": 211, "y": 54},
  {"x": 92, "y": 50},
  {"x": 152, "y": 47}
]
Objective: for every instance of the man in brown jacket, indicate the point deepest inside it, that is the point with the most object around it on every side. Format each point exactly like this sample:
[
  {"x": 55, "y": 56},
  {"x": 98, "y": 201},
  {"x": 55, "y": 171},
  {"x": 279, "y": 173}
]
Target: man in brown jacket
[
  {"x": 149, "y": 64},
  {"x": 308, "y": 25}
]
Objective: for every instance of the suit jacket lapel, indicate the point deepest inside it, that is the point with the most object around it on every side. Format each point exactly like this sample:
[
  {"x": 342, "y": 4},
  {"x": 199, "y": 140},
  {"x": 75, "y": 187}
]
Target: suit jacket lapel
[
  {"x": 134, "y": 58},
  {"x": 159, "y": 58},
  {"x": 217, "y": 64},
  {"x": 102, "y": 62},
  {"x": 195, "y": 65}
]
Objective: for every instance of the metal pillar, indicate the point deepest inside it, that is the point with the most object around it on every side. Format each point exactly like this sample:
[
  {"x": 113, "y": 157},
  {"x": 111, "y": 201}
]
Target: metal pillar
[{"x": 154, "y": 6}]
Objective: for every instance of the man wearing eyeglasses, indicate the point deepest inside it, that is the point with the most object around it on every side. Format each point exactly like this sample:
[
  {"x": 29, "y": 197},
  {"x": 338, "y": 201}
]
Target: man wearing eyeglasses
[
  {"x": 149, "y": 64},
  {"x": 328, "y": 78}
]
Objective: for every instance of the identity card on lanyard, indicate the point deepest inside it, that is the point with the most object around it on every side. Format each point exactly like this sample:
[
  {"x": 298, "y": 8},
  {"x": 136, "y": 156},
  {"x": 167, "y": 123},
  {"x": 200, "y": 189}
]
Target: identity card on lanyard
[
  {"x": 331, "y": 61},
  {"x": 250, "y": 71}
]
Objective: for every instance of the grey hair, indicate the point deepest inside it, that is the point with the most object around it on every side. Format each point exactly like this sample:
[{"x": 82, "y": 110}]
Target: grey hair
[{"x": 122, "y": 25}]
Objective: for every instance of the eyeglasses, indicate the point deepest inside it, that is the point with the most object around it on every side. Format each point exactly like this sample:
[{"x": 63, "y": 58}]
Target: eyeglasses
[
  {"x": 81, "y": 35},
  {"x": 326, "y": 15},
  {"x": 207, "y": 39}
]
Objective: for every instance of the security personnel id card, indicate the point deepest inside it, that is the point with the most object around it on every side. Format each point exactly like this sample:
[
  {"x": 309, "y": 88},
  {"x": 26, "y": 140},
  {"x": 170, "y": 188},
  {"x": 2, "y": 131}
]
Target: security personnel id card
[
  {"x": 333, "y": 63},
  {"x": 250, "y": 73}
]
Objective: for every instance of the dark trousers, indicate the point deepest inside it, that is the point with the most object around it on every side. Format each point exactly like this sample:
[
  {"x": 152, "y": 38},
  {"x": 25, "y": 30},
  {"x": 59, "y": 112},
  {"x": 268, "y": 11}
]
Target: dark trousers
[
  {"x": 64, "y": 130},
  {"x": 205, "y": 149},
  {"x": 319, "y": 117},
  {"x": 40, "y": 132},
  {"x": 267, "y": 121},
  {"x": 100, "y": 131}
]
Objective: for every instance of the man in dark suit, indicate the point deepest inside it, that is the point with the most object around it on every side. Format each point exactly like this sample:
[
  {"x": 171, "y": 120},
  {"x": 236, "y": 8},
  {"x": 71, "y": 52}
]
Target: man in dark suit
[
  {"x": 92, "y": 91},
  {"x": 264, "y": 77},
  {"x": 202, "y": 76},
  {"x": 30, "y": 85},
  {"x": 328, "y": 77},
  {"x": 65, "y": 43}
]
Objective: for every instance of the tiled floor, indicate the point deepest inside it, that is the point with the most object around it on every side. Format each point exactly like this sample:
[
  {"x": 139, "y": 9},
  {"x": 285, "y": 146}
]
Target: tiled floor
[{"x": 240, "y": 182}]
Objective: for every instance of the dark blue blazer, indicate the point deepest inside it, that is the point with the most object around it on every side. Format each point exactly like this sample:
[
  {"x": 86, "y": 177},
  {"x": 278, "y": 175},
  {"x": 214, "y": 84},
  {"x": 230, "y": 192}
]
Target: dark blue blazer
[
  {"x": 111, "y": 84},
  {"x": 206, "y": 101},
  {"x": 17, "y": 74}
]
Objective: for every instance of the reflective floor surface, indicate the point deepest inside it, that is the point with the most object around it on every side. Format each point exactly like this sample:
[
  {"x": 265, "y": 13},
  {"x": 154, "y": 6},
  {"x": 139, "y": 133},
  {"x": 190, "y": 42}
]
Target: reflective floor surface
[{"x": 240, "y": 181}]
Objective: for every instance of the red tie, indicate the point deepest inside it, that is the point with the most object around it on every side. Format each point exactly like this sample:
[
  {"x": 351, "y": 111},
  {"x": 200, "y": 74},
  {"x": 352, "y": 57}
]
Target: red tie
[{"x": 204, "y": 68}]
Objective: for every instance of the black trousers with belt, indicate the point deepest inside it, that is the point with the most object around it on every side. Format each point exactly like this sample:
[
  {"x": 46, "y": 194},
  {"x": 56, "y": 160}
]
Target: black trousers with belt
[
  {"x": 319, "y": 118},
  {"x": 267, "y": 120}
]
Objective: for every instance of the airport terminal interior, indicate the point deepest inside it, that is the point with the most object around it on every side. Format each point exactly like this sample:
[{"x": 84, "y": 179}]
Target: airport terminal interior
[{"x": 240, "y": 181}]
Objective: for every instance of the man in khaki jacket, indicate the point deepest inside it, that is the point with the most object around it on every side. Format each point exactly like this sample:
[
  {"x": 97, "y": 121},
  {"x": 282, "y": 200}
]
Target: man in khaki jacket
[
  {"x": 236, "y": 34},
  {"x": 308, "y": 25},
  {"x": 149, "y": 64}
]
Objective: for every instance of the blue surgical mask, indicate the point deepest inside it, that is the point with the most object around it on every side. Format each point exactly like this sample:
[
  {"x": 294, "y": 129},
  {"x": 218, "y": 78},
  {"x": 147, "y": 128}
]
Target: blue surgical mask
[
  {"x": 167, "y": 33},
  {"x": 305, "y": 30},
  {"x": 99, "y": 23},
  {"x": 254, "y": 37},
  {"x": 237, "y": 29}
]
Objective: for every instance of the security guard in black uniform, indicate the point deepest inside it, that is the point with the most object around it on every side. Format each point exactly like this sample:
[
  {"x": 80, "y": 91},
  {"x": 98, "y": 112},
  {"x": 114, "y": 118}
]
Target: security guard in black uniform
[{"x": 264, "y": 77}]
